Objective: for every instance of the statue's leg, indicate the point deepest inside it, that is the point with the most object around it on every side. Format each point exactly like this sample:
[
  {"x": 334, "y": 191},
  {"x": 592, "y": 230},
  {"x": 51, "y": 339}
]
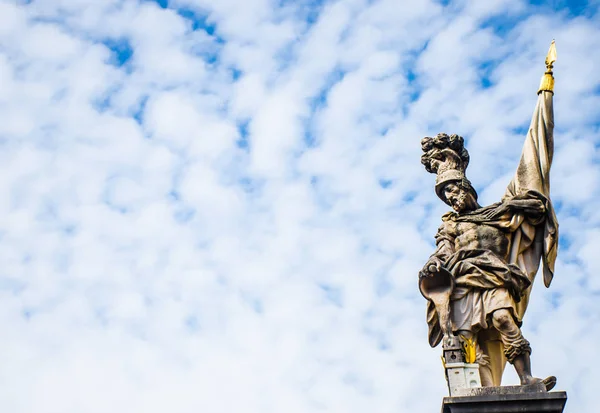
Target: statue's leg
[
  {"x": 485, "y": 372},
  {"x": 492, "y": 348},
  {"x": 480, "y": 358},
  {"x": 516, "y": 347}
]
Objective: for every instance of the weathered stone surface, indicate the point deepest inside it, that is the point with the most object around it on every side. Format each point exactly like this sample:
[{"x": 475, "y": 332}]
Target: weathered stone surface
[
  {"x": 498, "y": 390},
  {"x": 507, "y": 399}
]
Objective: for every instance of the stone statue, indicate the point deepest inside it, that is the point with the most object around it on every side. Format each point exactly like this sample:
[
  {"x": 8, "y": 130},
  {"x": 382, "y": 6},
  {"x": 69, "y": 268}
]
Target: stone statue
[{"x": 479, "y": 279}]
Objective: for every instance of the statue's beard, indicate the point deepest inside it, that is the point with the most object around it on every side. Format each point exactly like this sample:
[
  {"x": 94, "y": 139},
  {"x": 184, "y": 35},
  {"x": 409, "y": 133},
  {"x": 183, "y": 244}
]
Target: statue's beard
[{"x": 460, "y": 202}]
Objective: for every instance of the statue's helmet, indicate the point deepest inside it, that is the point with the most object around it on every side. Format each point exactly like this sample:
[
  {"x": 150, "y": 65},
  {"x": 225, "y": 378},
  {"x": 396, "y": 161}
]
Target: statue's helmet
[{"x": 446, "y": 156}]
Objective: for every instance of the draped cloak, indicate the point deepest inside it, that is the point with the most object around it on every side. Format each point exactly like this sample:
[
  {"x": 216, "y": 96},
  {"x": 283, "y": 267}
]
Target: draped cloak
[{"x": 533, "y": 237}]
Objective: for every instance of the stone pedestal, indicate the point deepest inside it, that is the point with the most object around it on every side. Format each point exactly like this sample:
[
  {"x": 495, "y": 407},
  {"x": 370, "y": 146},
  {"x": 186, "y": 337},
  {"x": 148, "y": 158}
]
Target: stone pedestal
[{"x": 506, "y": 399}]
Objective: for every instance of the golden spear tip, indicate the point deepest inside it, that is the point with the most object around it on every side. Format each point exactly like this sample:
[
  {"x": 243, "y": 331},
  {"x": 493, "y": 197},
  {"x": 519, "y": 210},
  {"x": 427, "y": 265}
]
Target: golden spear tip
[
  {"x": 551, "y": 56},
  {"x": 547, "y": 83}
]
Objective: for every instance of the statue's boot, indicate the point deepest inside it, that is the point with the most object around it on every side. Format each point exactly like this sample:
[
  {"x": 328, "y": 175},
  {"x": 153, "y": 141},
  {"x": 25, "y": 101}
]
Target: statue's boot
[
  {"x": 549, "y": 382},
  {"x": 522, "y": 365}
]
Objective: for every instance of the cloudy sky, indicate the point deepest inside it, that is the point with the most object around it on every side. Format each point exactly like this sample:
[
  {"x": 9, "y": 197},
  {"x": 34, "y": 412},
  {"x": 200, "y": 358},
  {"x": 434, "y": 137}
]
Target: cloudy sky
[{"x": 218, "y": 205}]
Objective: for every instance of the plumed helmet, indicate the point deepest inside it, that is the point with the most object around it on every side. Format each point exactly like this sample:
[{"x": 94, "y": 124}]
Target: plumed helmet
[{"x": 446, "y": 156}]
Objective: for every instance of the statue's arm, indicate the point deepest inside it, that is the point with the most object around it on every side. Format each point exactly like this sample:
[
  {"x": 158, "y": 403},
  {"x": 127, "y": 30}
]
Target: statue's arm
[{"x": 444, "y": 240}]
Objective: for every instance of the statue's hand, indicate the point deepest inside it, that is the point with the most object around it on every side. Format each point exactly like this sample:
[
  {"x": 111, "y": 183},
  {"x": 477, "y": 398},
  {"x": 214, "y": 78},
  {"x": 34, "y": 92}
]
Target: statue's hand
[
  {"x": 529, "y": 206},
  {"x": 432, "y": 266},
  {"x": 535, "y": 206}
]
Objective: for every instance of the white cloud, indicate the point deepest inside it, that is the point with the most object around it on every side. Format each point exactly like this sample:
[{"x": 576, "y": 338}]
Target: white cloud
[{"x": 219, "y": 206}]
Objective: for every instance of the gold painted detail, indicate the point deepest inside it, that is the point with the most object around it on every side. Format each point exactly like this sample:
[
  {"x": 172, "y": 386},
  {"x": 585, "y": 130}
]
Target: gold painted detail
[
  {"x": 547, "y": 83},
  {"x": 468, "y": 346},
  {"x": 551, "y": 56}
]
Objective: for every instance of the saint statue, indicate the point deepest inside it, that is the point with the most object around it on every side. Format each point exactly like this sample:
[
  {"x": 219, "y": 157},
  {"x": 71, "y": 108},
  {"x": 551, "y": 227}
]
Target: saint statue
[{"x": 479, "y": 279}]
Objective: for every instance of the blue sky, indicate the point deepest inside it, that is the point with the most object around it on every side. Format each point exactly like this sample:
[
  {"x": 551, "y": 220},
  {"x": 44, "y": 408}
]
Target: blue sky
[{"x": 220, "y": 206}]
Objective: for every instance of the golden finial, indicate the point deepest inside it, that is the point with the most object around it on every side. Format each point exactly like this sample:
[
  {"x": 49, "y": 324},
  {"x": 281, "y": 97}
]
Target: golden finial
[
  {"x": 547, "y": 83},
  {"x": 551, "y": 56}
]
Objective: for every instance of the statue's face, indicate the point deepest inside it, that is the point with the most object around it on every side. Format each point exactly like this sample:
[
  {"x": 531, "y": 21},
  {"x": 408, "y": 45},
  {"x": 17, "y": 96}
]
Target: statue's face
[{"x": 458, "y": 198}]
